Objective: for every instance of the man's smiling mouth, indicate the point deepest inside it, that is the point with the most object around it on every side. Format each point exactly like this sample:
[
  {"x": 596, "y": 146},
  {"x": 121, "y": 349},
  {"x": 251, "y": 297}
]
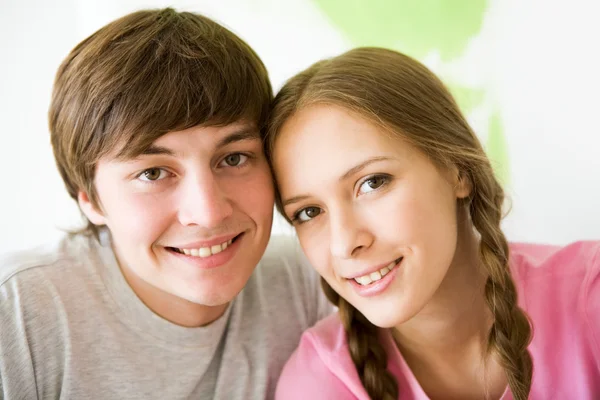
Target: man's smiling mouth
[{"x": 207, "y": 251}]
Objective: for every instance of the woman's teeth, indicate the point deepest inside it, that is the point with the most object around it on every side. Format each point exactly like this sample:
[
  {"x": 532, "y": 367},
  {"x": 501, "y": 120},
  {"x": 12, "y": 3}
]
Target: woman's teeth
[
  {"x": 377, "y": 275},
  {"x": 206, "y": 251}
]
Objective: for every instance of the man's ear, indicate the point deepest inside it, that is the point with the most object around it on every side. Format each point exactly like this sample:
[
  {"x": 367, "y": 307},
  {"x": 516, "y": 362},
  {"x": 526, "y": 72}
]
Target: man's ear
[
  {"x": 95, "y": 216},
  {"x": 464, "y": 186}
]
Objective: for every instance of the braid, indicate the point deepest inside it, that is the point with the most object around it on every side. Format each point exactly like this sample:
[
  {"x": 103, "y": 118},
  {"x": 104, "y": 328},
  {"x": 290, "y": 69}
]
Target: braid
[
  {"x": 510, "y": 333},
  {"x": 366, "y": 351}
]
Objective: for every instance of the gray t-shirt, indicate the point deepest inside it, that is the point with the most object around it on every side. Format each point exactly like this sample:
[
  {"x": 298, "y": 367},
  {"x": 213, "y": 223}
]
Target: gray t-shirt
[{"x": 72, "y": 328}]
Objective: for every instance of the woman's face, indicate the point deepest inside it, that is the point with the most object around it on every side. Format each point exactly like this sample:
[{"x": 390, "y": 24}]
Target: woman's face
[{"x": 374, "y": 215}]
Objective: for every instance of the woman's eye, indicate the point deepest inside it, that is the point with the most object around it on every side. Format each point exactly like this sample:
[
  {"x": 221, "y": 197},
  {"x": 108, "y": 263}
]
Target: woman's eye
[
  {"x": 234, "y": 160},
  {"x": 306, "y": 214},
  {"x": 373, "y": 183},
  {"x": 153, "y": 174}
]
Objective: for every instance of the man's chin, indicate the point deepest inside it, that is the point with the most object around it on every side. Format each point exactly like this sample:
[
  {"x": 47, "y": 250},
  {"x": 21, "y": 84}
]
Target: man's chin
[{"x": 208, "y": 296}]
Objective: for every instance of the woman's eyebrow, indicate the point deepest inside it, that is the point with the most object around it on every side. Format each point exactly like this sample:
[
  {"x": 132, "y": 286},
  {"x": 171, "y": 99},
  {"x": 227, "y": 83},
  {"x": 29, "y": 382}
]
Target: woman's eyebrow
[{"x": 359, "y": 167}]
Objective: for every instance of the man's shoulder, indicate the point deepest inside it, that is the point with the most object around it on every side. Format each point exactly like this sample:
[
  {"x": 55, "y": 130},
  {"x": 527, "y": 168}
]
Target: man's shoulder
[
  {"x": 287, "y": 284},
  {"x": 46, "y": 260},
  {"x": 282, "y": 249},
  {"x": 284, "y": 263},
  {"x": 42, "y": 285},
  {"x": 21, "y": 263},
  {"x": 42, "y": 306}
]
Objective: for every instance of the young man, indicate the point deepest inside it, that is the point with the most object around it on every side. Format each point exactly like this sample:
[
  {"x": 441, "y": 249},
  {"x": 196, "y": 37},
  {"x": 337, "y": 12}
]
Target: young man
[{"x": 155, "y": 124}]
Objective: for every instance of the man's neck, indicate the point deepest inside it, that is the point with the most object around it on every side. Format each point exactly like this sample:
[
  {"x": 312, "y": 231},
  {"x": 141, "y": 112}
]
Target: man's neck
[{"x": 170, "y": 307}]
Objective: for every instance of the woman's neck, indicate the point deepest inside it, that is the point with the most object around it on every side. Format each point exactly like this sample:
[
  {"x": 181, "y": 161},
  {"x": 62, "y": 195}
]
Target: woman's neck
[
  {"x": 457, "y": 314},
  {"x": 445, "y": 345}
]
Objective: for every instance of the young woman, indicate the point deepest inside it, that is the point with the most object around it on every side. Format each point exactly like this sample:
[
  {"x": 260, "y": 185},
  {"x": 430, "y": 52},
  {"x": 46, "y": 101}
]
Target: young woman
[{"x": 396, "y": 205}]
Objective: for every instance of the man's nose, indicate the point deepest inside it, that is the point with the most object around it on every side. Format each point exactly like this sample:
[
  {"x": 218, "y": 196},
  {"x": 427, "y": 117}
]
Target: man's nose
[{"x": 204, "y": 203}]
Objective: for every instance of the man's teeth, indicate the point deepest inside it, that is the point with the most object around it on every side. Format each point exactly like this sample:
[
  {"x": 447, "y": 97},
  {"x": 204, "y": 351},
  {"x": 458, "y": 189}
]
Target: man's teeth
[
  {"x": 207, "y": 251},
  {"x": 377, "y": 275}
]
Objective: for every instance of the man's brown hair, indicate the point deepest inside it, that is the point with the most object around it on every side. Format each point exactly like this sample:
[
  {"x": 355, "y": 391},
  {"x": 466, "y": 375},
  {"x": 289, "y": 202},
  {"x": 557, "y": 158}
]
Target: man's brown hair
[{"x": 143, "y": 75}]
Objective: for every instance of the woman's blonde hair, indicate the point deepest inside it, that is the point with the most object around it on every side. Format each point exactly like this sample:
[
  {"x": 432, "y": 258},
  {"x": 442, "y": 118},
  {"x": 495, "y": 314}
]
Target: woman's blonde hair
[{"x": 404, "y": 98}]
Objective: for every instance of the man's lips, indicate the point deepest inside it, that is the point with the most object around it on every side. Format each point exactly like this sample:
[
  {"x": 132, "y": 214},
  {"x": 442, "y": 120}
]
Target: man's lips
[{"x": 206, "y": 248}]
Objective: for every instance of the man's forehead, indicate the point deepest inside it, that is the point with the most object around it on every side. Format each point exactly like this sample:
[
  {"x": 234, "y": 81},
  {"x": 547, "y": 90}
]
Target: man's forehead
[{"x": 169, "y": 143}]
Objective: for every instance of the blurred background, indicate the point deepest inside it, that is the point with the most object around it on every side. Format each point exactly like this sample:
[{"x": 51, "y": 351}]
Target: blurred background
[{"x": 525, "y": 72}]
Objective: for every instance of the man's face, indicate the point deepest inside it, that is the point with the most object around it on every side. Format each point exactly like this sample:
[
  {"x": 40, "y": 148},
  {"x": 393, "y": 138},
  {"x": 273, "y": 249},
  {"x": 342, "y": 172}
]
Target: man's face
[{"x": 191, "y": 217}]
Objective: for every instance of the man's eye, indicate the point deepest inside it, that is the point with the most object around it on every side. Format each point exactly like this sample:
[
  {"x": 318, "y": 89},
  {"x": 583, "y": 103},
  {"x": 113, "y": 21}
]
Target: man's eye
[
  {"x": 234, "y": 160},
  {"x": 153, "y": 174},
  {"x": 306, "y": 214},
  {"x": 373, "y": 183}
]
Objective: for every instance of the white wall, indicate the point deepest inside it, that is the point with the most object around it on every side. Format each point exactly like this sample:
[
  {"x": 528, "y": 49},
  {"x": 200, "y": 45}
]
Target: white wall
[{"x": 540, "y": 57}]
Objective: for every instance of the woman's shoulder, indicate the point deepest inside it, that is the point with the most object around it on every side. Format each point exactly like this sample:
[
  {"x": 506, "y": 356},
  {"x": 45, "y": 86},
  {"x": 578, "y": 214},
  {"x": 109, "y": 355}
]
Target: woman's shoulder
[
  {"x": 328, "y": 334},
  {"x": 321, "y": 367},
  {"x": 565, "y": 275},
  {"x": 554, "y": 265},
  {"x": 559, "y": 288},
  {"x": 326, "y": 340}
]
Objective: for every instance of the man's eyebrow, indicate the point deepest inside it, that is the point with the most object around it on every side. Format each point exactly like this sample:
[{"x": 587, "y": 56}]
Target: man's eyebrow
[
  {"x": 153, "y": 150},
  {"x": 246, "y": 133},
  {"x": 345, "y": 176}
]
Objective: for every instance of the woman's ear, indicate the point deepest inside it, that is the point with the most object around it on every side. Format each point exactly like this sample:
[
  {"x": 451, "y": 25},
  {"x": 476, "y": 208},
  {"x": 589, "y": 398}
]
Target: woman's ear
[
  {"x": 464, "y": 185},
  {"x": 92, "y": 213}
]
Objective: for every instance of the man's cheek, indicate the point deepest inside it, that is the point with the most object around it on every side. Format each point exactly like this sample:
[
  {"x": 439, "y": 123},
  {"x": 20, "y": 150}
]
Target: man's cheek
[{"x": 141, "y": 216}]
